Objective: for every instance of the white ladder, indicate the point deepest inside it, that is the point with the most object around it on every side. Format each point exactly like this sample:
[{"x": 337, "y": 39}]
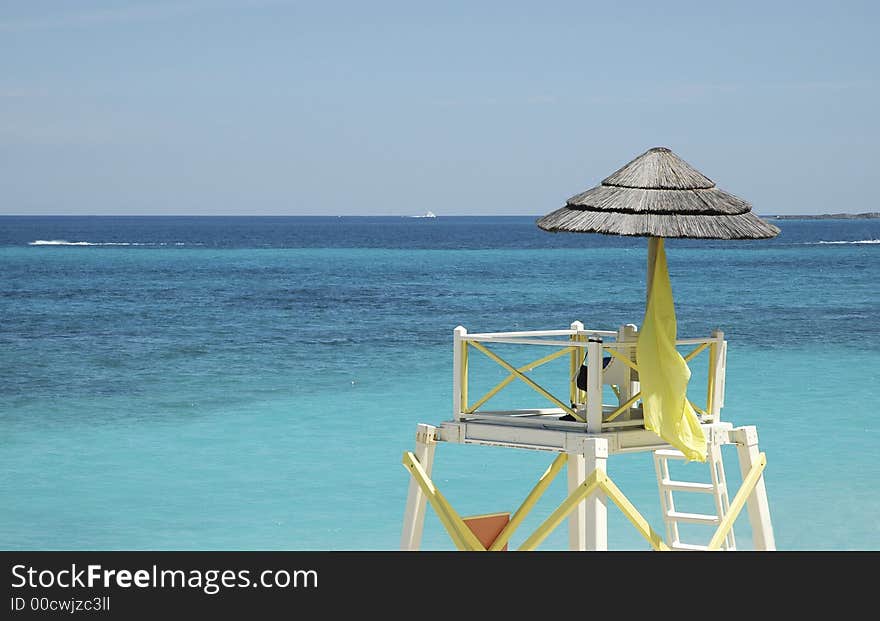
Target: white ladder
[{"x": 717, "y": 488}]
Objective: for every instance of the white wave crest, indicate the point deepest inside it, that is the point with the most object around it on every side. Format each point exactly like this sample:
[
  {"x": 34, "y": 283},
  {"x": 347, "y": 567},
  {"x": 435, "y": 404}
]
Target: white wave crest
[
  {"x": 64, "y": 242},
  {"x": 153, "y": 244},
  {"x": 858, "y": 241},
  {"x": 58, "y": 242}
]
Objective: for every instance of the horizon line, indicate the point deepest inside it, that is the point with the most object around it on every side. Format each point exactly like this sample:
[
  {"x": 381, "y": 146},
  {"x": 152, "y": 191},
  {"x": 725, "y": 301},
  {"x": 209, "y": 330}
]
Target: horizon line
[{"x": 374, "y": 215}]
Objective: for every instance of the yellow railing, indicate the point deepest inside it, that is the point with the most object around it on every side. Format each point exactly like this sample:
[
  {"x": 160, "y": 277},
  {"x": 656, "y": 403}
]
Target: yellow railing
[
  {"x": 709, "y": 344},
  {"x": 516, "y": 373},
  {"x": 620, "y": 347}
]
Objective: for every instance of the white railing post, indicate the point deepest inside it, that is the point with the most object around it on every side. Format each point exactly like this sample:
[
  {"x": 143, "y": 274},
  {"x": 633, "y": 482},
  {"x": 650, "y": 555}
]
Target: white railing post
[
  {"x": 718, "y": 351},
  {"x": 594, "y": 384},
  {"x": 459, "y": 368},
  {"x": 577, "y": 356}
]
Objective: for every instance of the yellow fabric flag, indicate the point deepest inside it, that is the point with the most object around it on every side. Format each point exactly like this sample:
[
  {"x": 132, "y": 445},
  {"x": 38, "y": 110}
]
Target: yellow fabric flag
[{"x": 663, "y": 373}]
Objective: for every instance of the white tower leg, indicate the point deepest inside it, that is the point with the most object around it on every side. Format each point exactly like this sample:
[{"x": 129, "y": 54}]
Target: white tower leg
[
  {"x": 597, "y": 503},
  {"x": 746, "y": 439},
  {"x": 577, "y": 522},
  {"x": 588, "y": 524},
  {"x": 414, "y": 516}
]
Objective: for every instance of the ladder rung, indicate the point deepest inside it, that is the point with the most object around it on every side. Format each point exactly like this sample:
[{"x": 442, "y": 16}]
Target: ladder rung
[
  {"x": 669, "y": 454},
  {"x": 687, "y": 486},
  {"x": 690, "y": 547},
  {"x": 695, "y": 518}
]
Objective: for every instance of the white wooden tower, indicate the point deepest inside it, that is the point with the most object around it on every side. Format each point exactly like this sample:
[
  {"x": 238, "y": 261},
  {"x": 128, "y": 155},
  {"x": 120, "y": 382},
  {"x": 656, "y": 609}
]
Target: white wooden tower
[{"x": 584, "y": 433}]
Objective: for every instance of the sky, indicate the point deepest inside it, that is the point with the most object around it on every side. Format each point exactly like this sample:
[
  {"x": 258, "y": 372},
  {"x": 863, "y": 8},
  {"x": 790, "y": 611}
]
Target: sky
[{"x": 273, "y": 107}]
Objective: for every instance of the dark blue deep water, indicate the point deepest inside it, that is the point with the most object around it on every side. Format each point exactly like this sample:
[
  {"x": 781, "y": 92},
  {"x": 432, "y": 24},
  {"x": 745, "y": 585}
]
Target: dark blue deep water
[{"x": 251, "y": 383}]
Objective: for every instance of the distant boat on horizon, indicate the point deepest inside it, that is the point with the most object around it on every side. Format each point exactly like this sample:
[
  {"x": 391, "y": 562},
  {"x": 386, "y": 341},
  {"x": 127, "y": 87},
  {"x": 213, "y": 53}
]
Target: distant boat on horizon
[{"x": 427, "y": 214}]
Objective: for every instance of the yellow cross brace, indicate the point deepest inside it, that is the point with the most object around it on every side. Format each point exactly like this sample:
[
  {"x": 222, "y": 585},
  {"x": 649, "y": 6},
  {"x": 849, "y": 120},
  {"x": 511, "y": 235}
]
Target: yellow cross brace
[
  {"x": 634, "y": 367},
  {"x": 624, "y": 359},
  {"x": 590, "y": 484},
  {"x": 623, "y": 408},
  {"x": 464, "y": 538},
  {"x": 697, "y": 408},
  {"x": 514, "y": 371},
  {"x": 529, "y": 502},
  {"x": 529, "y": 367},
  {"x": 696, "y": 351},
  {"x": 739, "y": 501},
  {"x": 629, "y": 510},
  {"x": 596, "y": 481}
]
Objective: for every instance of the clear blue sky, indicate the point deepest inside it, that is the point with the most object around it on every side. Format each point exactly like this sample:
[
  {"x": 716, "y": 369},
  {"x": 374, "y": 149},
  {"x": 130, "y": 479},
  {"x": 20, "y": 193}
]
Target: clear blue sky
[{"x": 286, "y": 107}]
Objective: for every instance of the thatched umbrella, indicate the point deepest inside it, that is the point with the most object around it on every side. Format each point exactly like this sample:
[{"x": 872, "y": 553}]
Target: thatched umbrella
[{"x": 659, "y": 195}]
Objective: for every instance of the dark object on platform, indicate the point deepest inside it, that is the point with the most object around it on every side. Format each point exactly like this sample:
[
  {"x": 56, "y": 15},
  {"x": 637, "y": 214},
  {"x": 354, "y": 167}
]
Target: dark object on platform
[
  {"x": 582, "y": 373},
  {"x": 581, "y": 381}
]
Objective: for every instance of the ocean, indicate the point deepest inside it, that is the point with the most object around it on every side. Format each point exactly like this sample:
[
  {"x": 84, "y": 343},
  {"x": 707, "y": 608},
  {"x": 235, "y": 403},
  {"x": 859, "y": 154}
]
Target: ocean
[{"x": 217, "y": 383}]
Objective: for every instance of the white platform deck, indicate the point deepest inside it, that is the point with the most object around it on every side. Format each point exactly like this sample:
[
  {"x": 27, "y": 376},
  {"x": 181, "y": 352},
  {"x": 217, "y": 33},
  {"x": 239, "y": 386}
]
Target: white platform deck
[{"x": 544, "y": 433}]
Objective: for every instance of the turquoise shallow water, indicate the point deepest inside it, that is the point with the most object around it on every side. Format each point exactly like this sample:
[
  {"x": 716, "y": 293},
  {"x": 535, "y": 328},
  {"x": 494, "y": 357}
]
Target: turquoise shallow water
[{"x": 252, "y": 383}]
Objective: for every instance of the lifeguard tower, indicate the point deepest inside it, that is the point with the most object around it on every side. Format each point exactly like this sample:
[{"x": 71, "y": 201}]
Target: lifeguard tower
[{"x": 656, "y": 195}]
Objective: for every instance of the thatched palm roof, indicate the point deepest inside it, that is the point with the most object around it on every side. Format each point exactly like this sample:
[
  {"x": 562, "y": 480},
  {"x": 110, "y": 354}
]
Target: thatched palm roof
[{"x": 658, "y": 194}]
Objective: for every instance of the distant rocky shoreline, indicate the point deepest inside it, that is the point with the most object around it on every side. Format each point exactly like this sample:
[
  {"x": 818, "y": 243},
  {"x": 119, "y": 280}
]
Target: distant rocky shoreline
[{"x": 829, "y": 216}]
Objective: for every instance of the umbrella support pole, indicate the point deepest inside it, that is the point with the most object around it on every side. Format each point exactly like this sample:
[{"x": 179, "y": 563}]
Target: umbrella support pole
[{"x": 653, "y": 246}]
